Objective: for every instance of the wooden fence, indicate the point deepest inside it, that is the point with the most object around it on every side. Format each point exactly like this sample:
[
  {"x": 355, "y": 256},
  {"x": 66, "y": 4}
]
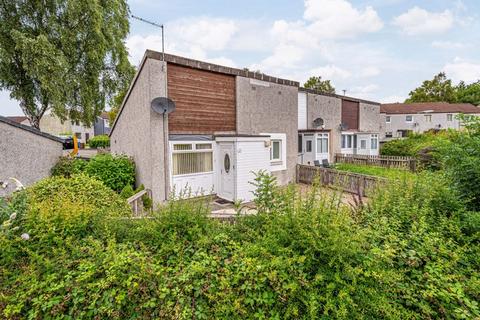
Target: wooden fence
[
  {"x": 136, "y": 203},
  {"x": 355, "y": 183},
  {"x": 408, "y": 163}
]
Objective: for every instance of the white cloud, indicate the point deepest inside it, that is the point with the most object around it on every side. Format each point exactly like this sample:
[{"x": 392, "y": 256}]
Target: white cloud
[
  {"x": 392, "y": 99},
  {"x": 449, "y": 45},
  {"x": 339, "y": 19},
  {"x": 418, "y": 21},
  {"x": 363, "y": 91},
  {"x": 206, "y": 33},
  {"x": 370, "y": 71},
  {"x": 461, "y": 70},
  {"x": 193, "y": 38},
  {"x": 331, "y": 72}
]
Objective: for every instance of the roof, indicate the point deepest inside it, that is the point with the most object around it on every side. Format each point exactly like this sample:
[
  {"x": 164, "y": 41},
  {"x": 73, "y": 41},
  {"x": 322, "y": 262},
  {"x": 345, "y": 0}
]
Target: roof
[
  {"x": 334, "y": 95},
  {"x": 428, "y": 107},
  {"x": 17, "y": 119},
  {"x": 206, "y": 66},
  {"x": 30, "y": 129}
]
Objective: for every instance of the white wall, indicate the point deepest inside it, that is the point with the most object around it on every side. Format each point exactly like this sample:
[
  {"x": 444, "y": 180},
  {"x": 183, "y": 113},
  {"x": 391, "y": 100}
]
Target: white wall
[
  {"x": 252, "y": 156},
  {"x": 302, "y": 111}
]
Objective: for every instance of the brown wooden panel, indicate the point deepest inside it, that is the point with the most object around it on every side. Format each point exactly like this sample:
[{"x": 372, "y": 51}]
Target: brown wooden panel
[
  {"x": 205, "y": 101},
  {"x": 350, "y": 114}
]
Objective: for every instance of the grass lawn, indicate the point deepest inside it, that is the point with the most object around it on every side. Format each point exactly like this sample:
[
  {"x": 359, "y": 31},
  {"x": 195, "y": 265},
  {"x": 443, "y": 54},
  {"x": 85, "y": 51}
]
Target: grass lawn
[{"x": 390, "y": 173}]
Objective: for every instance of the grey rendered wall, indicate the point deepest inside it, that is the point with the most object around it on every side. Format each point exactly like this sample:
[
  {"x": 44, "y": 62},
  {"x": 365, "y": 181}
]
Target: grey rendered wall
[
  {"x": 25, "y": 156},
  {"x": 269, "y": 108},
  {"x": 139, "y": 132},
  {"x": 330, "y": 110},
  {"x": 370, "y": 119}
]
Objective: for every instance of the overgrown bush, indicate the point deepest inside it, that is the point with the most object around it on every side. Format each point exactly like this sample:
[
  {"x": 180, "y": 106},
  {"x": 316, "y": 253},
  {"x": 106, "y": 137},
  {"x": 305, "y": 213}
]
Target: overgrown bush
[
  {"x": 67, "y": 166},
  {"x": 115, "y": 171},
  {"x": 416, "y": 226},
  {"x": 73, "y": 205},
  {"x": 405, "y": 255},
  {"x": 100, "y": 141}
]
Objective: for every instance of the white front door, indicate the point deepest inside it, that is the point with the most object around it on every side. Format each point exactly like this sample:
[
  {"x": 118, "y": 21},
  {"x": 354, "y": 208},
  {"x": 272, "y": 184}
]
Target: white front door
[
  {"x": 322, "y": 150},
  {"x": 308, "y": 150},
  {"x": 226, "y": 168}
]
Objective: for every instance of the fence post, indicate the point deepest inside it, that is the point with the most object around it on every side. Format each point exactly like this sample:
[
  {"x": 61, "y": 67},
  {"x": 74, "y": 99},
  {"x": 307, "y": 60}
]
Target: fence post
[{"x": 413, "y": 165}]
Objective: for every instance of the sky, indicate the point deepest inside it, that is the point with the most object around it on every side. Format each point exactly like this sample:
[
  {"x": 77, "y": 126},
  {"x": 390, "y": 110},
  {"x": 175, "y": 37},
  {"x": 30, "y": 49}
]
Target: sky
[{"x": 374, "y": 49}]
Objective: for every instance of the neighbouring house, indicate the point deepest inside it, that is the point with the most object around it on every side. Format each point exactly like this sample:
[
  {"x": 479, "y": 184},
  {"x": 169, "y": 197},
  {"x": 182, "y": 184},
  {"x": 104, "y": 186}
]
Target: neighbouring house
[
  {"x": 403, "y": 118},
  {"x": 102, "y": 125},
  {"x": 331, "y": 123},
  {"x": 26, "y": 153},
  {"x": 53, "y": 125},
  {"x": 227, "y": 124},
  {"x": 20, "y": 119}
]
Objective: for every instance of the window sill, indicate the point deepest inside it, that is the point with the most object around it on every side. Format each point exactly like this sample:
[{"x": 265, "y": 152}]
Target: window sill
[{"x": 276, "y": 163}]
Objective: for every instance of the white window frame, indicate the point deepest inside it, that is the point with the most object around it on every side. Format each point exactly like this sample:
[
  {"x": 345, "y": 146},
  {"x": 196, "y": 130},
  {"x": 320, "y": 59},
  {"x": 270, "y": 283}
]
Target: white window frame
[
  {"x": 320, "y": 137},
  {"x": 411, "y": 118},
  {"x": 428, "y": 118},
  {"x": 193, "y": 150},
  {"x": 273, "y": 142},
  {"x": 388, "y": 119},
  {"x": 449, "y": 117},
  {"x": 278, "y": 164},
  {"x": 348, "y": 141}
]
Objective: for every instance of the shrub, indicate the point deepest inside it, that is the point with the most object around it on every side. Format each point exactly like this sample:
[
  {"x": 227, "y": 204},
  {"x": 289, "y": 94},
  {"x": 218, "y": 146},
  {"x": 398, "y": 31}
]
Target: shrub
[
  {"x": 67, "y": 166},
  {"x": 127, "y": 191},
  {"x": 114, "y": 171},
  {"x": 76, "y": 205},
  {"x": 404, "y": 255},
  {"x": 100, "y": 141}
]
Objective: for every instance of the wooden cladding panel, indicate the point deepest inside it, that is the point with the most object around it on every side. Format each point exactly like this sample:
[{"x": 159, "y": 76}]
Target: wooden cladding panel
[
  {"x": 205, "y": 101},
  {"x": 350, "y": 114}
]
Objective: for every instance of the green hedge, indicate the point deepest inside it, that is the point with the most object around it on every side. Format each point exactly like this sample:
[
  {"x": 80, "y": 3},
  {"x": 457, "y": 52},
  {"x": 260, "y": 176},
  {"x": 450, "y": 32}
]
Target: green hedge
[
  {"x": 100, "y": 141},
  {"x": 404, "y": 255},
  {"x": 114, "y": 171}
]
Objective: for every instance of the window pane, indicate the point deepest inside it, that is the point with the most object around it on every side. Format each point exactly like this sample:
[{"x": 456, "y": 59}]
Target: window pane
[
  {"x": 182, "y": 147},
  {"x": 275, "y": 150},
  {"x": 324, "y": 145},
  {"x": 300, "y": 143},
  {"x": 203, "y": 146},
  {"x": 308, "y": 146},
  {"x": 374, "y": 143},
  {"x": 192, "y": 162},
  {"x": 343, "y": 141},
  {"x": 349, "y": 141},
  {"x": 363, "y": 144}
]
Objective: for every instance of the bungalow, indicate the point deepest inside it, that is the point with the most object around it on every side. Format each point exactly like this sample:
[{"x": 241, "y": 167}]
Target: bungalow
[
  {"x": 402, "y": 118},
  {"x": 331, "y": 123},
  {"x": 225, "y": 124}
]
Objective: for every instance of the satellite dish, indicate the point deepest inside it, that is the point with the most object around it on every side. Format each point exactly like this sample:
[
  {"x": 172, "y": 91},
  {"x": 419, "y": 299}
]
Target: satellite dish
[
  {"x": 343, "y": 126},
  {"x": 318, "y": 122},
  {"x": 163, "y": 105}
]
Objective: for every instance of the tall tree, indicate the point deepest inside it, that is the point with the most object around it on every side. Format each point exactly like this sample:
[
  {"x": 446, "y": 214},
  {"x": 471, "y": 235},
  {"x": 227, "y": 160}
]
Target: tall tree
[
  {"x": 468, "y": 93},
  {"x": 439, "y": 89},
  {"x": 318, "y": 84},
  {"x": 65, "y": 55}
]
